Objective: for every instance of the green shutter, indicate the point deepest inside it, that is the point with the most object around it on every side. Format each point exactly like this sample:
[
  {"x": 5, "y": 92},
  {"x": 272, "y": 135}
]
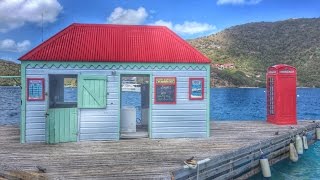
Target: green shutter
[{"x": 92, "y": 91}]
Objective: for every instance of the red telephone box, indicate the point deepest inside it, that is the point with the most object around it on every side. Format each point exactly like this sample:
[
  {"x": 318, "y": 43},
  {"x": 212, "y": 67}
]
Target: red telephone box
[{"x": 281, "y": 94}]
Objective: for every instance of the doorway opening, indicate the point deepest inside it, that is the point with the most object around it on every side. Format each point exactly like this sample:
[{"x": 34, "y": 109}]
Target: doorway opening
[
  {"x": 135, "y": 104},
  {"x": 62, "y": 121}
]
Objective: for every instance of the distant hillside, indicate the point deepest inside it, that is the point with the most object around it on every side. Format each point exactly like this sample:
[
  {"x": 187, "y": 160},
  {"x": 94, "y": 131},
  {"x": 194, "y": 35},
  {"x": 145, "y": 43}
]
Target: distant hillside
[
  {"x": 8, "y": 68},
  {"x": 255, "y": 46}
]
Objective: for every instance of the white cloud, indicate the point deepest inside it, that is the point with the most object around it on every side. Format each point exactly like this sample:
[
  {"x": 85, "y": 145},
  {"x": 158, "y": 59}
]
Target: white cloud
[
  {"x": 193, "y": 27},
  {"x": 127, "y": 16},
  {"x": 163, "y": 23},
  {"x": 139, "y": 16},
  {"x": 10, "y": 45},
  {"x": 15, "y": 13},
  {"x": 238, "y": 2},
  {"x": 187, "y": 27}
]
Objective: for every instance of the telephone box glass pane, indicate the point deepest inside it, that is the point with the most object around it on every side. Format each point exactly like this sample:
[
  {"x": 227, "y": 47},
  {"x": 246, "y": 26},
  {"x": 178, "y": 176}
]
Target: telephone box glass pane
[{"x": 271, "y": 96}]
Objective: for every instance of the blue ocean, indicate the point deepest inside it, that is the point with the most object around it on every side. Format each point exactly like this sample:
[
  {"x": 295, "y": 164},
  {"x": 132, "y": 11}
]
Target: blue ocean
[{"x": 226, "y": 104}]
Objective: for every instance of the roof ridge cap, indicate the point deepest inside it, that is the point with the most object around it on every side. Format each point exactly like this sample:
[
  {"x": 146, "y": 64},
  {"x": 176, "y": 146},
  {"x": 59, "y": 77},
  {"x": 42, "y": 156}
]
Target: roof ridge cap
[{"x": 118, "y": 25}]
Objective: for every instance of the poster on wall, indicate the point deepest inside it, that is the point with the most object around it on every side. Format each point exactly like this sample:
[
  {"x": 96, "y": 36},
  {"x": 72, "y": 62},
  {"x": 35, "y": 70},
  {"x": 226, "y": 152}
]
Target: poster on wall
[
  {"x": 165, "y": 90},
  {"x": 196, "y": 88},
  {"x": 35, "y": 89}
]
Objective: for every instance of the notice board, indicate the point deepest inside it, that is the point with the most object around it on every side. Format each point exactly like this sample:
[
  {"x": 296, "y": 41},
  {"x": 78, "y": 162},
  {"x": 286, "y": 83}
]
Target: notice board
[
  {"x": 165, "y": 90},
  {"x": 196, "y": 88},
  {"x": 35, "y": 89}
]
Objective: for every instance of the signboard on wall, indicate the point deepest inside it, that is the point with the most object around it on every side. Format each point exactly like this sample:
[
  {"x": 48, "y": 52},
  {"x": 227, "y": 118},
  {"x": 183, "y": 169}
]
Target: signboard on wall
[
  {"x": 165, "y": 90},
  {"x": 35, "y": 89},
  {"x": 196, "y": 88}
]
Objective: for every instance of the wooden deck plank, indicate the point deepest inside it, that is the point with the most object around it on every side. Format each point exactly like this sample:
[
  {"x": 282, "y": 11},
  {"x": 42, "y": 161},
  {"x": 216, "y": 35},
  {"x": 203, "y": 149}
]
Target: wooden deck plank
[{"x": 134, "y": 158}]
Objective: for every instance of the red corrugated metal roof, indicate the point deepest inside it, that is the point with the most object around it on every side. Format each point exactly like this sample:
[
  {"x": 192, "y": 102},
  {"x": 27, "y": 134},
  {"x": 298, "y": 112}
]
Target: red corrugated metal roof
[{"x": 116, "y": 43}]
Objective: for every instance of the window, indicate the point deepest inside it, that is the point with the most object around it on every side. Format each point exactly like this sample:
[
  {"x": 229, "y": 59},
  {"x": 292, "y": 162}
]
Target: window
[
  {"x": 63, "y": 91},
  {"x": 70, "y": 89}
]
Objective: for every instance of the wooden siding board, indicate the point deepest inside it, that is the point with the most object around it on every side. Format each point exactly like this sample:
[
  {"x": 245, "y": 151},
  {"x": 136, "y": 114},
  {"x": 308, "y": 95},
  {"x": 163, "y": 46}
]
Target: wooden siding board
[
  {"x": 178, "y": 118},
  {"x": 98, "y": 136},
  {"x": 35, "y": 138},
  {"x": 96, "y": 112},
  {"x": 182, "y": 106},
  {"x": 99, "y": 124},
  {"x": 170, "y": 112},
  {"x": 181, "y": 129},
  {"x": 96, "y": 130},
  {"x": 31, "y": 120},
  {"x": 35, "y": 132},
  {"x": 193, "y": 123},
  {"x": 98, "y": 119},
  {"x": 32, "y": 107},
  {"x": 35, "y": 125}
]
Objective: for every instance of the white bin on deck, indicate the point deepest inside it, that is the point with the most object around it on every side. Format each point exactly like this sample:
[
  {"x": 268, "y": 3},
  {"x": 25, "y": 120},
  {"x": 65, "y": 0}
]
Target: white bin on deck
[{"x": 128, "y": 119}]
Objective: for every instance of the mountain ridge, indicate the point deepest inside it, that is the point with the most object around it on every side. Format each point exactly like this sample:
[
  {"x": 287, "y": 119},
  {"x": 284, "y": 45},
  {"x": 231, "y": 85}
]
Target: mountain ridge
[
  {"x": 9, "y": 68},
  {"x": 252, "y": 47}
]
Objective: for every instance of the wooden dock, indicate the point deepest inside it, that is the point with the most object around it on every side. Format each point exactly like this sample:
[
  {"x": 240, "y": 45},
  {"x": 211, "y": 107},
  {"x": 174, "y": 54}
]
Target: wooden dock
[{"x": 233, "y": 150}]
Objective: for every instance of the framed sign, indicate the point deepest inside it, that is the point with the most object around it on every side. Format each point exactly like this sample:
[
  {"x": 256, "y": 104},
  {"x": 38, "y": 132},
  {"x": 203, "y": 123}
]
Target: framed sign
[
  {"x": 196, "y": 88},
  {"x": 35, "y": 89},
  {"x": 165, "y": 90}
]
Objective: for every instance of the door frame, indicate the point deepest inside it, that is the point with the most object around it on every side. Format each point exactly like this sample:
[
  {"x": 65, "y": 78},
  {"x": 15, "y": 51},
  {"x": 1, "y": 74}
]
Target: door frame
[
  {"x": 47, "y": 99},
  {"x": 150, "y": 99}
]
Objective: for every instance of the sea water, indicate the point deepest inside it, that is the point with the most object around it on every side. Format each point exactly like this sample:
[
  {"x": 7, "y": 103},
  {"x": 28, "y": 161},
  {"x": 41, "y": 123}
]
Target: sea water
[
  {"x": 307, "y": 167},
  {"x": 226, "y": 104},
  {"x": 250, "y": 104}
]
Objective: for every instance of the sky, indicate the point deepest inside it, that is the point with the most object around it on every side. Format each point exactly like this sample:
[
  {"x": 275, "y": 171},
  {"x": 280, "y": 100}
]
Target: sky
[{"x": 24, "y": 24}]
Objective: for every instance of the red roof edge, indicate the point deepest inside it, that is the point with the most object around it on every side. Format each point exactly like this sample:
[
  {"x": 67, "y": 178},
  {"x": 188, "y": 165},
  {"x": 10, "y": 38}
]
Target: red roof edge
[{"x": 47, "y": 42}]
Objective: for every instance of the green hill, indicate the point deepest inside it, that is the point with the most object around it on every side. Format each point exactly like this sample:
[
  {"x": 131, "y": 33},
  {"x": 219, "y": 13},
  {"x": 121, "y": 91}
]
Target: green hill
[
  {"x": 8, "y": 68},
  {"x": 255, "y": 46}
]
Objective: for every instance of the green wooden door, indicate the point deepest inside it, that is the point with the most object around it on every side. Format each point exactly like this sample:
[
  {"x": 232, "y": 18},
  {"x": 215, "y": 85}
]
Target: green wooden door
[
  {"x": 92, "y": 91},
  {"x": 62, "y": 125}
]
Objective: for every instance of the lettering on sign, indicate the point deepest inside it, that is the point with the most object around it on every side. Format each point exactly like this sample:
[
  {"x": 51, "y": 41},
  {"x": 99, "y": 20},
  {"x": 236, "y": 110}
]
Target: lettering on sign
[
  {"x": 165, "y": 90},
  {"x": 286, "y": 71},
  {"x": 272, "y": 72}
]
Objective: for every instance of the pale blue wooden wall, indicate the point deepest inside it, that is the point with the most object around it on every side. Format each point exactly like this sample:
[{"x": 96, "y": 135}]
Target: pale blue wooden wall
[{"x": 184, "y": 119}]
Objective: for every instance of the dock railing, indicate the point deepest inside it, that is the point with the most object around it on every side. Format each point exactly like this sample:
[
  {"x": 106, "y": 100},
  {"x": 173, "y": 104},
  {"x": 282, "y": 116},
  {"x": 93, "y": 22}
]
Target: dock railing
[{"x": 244, "y": 162}]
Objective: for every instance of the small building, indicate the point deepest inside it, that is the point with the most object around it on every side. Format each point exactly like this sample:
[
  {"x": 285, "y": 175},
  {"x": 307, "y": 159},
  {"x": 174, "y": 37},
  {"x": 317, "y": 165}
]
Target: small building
[
  {"x": 224, "y": 66},
  {"x": 72, "y": 90},
  {"x": 229, "y": 66}
]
